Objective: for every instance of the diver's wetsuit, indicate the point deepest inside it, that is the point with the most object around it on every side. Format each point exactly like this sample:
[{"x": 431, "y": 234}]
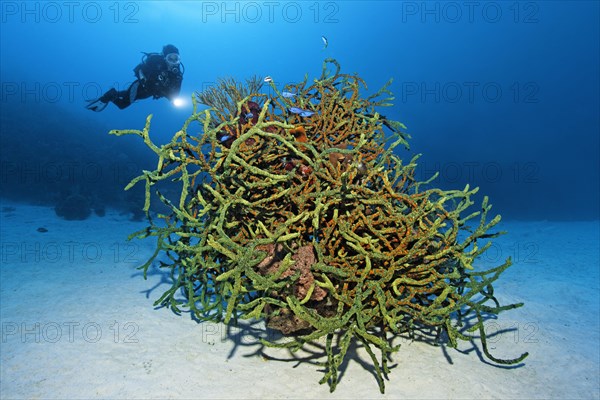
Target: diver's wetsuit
[{"x": 154, "y": 78}]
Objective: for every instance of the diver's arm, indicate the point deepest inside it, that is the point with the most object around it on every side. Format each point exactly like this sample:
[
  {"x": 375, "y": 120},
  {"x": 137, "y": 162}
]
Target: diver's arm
[{"x": 174, "y": 87}]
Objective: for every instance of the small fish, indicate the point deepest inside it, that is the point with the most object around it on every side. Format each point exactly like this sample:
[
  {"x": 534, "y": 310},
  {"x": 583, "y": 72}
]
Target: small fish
[
  {"x": 268, "y": 79},
  {"x": 288, "y": 95},
  {"x": 325, "y": 42},
  {"x": 288, "y": 163},
  {"x": 301, "y": 112},
  {"x": 249, "y": 115},
  {"x": 361, "y": 167},
  {"x": 304, "y": 170},
  {"x": 224, "y": 138}
]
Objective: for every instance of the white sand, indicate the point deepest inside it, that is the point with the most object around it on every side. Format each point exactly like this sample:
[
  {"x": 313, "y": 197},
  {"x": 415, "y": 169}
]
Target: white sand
[{"x": 78, "y": 322}]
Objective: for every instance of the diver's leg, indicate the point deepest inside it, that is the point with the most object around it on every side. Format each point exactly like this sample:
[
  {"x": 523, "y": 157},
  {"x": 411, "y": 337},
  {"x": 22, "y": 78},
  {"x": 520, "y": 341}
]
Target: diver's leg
[
  {"x": 142, "y": 92},
  {"x": 100, "y": 103},
  {"x": 123, "y": 99},
  {"x": 109, "y": 96}
]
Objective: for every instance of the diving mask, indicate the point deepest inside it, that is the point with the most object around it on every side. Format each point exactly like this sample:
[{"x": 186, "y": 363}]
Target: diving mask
[{"x": 173, "y": 60}]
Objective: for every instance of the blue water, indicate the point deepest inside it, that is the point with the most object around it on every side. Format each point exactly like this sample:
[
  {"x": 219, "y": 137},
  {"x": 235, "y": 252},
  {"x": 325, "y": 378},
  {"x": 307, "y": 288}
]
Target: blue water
[{"x": 500, "y": 95}]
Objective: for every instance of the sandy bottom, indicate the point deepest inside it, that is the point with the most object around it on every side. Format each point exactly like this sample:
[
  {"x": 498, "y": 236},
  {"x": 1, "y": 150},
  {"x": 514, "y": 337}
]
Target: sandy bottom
[{"x": 78, "y": 322}]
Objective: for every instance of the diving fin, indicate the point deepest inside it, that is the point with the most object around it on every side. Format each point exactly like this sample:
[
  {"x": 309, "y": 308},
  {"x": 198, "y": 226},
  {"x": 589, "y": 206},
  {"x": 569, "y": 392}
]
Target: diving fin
[{"x": 96, "y": 105}]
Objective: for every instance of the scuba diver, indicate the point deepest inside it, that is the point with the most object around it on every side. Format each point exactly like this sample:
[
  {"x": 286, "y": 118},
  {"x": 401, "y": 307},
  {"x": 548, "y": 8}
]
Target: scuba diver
[{"x": 158, "y": 75}]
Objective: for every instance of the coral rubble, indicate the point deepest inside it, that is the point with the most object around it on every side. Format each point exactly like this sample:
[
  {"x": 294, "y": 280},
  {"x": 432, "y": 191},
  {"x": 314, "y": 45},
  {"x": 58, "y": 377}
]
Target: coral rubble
[{"x": 295, "y": 208}]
